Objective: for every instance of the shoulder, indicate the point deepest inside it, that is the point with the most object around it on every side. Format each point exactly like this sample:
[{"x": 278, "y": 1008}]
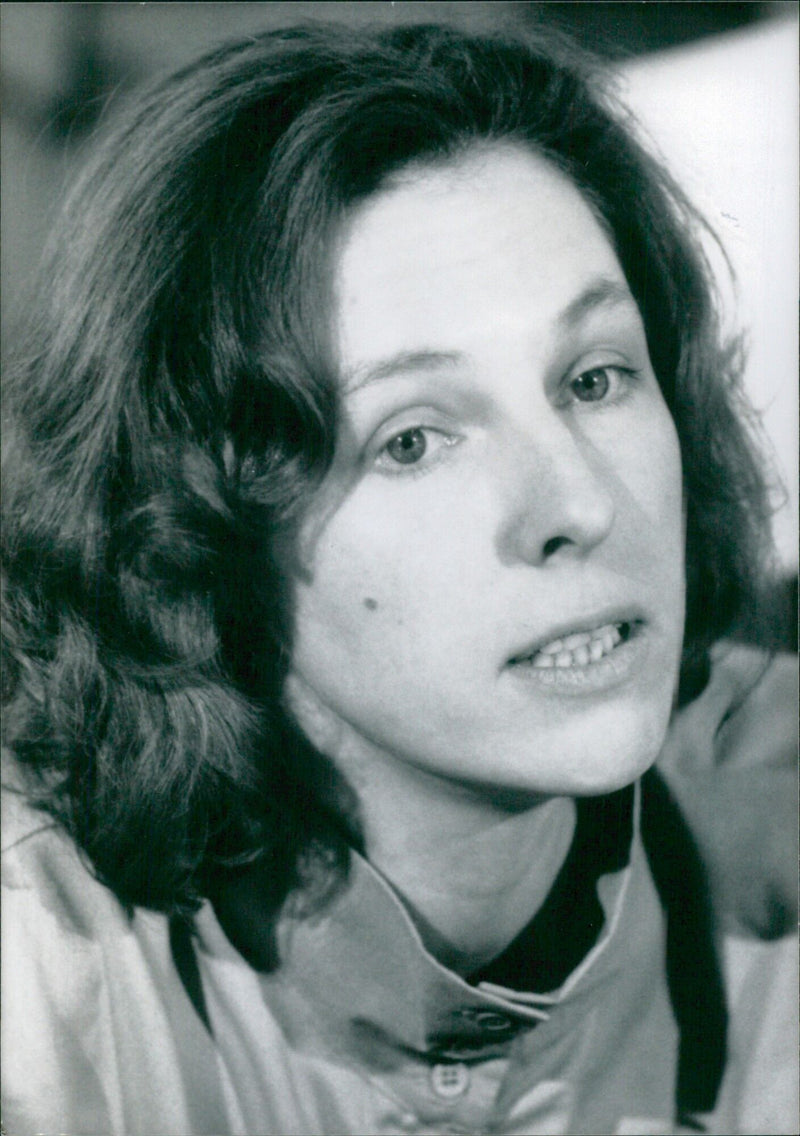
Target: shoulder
[
  {"x": 731, "y": 761},
  {"x": 747, "y": 714},
  {"x": 759, "y": 727},
  {"x": 53, "y": 973},
  {"x": 84, "y": 982},
  {"x": 760, "y": 1089},
  {"x": 44, "y": 873},
  {"x": 58, "y": 919}
]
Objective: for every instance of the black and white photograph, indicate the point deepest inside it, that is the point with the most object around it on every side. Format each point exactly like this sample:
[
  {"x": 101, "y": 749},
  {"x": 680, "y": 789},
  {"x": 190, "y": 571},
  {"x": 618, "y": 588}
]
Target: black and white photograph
[{"x": 399, "y": 565}]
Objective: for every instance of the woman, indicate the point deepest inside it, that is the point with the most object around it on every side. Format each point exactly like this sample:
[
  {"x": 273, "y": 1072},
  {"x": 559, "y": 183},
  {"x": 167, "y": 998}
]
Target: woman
[{"x": 378, "y": 496}]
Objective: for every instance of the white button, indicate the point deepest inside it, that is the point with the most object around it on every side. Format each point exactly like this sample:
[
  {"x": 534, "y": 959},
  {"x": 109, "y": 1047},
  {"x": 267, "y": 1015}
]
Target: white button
[{"x": 450, "y": 1081}]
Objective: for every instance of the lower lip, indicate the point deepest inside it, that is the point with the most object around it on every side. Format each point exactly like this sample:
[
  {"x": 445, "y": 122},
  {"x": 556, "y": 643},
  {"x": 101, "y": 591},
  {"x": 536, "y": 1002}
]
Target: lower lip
[{"x": 610, "y": 671}]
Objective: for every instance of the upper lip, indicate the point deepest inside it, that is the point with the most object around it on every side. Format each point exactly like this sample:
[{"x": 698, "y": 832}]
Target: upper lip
[{"x": 576, "y": 625}]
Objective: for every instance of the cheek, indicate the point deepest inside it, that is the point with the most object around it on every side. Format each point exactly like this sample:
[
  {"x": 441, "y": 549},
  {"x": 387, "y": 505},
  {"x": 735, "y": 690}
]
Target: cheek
[
  {"x": 654, "y": 478},
  {"x": 364, "y": 578},
  {"x": 670, "y": 479},
  {"x": 662, "y": 508},
  {"x": 391, "y": 577}
]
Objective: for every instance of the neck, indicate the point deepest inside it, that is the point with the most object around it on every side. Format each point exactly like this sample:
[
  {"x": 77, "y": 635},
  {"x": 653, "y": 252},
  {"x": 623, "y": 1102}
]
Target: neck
[
  {"x": 471, "y": 871},
  {"x": 472, "y": 863}
]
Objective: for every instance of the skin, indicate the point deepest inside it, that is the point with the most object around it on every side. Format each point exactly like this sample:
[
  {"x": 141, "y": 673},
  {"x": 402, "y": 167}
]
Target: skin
[{"x": 507, "y": 472}]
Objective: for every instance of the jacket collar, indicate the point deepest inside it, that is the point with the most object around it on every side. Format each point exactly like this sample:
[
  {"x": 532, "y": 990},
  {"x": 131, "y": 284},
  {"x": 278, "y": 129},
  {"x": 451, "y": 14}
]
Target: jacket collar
[{"x": 361, "y": 964}]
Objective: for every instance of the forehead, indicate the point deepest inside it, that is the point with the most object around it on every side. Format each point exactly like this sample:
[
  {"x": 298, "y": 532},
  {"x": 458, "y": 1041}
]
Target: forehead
[{"x": 466, "y": 248}]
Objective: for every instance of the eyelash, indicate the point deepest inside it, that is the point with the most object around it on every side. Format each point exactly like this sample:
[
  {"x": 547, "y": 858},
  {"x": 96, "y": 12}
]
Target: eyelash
[
  {"x": 624, "y": 384},
  {"x": 427, "y": 461}
]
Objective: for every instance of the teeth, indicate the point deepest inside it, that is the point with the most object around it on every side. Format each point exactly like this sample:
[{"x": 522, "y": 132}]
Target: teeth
[
  {"x": 579, "y": 649},
  {"x": 609, "y": 631}
]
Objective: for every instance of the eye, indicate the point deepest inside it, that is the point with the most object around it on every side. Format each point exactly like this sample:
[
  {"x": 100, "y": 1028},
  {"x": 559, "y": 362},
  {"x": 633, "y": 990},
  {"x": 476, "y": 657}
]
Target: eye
[
  {"x": 595, "y": 384},
  {"x": 416, "y": 449},
  {"x": 407, "y": 448}
]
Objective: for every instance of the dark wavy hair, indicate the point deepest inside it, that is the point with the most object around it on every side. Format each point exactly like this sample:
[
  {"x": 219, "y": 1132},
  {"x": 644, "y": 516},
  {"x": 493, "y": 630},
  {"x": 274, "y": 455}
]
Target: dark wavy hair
[{"x": 175, "y": 406}]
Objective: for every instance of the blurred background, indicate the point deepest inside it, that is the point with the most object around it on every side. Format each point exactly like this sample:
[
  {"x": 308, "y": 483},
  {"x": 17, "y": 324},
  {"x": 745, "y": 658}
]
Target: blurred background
[{"x": 714, "y": 86}]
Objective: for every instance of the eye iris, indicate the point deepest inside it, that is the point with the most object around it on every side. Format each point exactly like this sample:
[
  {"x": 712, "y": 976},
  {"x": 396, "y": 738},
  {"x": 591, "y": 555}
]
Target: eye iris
[
  {"x": 591, "y": 385},
  {"x": 407, "y": 447}
]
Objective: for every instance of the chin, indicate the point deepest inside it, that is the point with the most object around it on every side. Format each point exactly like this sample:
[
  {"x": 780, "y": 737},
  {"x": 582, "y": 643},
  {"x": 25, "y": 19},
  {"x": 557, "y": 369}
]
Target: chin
[
  {"x": 616, "y": 774},
  {"x": 621, "y": 761},
  {"x": 596, "y": 783}
]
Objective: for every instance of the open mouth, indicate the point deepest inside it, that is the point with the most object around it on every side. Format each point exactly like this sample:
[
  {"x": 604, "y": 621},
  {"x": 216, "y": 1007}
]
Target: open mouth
[{"x": 580, "y": 649}]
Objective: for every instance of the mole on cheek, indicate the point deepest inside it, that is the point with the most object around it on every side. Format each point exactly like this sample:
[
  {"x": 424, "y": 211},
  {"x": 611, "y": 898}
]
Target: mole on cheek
[{"x": 370, "y": 604}]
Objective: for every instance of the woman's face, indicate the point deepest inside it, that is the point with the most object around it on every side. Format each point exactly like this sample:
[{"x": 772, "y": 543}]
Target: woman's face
[{"x": 494, "y": 589}]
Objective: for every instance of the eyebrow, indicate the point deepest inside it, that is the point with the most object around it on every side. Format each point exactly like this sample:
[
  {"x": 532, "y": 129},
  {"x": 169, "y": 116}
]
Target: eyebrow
[
  {"x": 403, "y": 363},
  {"x": 599, "y": 293}
]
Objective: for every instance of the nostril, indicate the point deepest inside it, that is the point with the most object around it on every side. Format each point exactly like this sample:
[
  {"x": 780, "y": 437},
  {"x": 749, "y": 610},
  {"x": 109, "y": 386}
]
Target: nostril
[{"x": 553, "y": 545}]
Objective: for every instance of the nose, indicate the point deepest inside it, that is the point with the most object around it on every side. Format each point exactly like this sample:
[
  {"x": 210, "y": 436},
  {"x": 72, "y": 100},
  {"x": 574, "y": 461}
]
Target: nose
[{"x": 558, "y": 500}]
